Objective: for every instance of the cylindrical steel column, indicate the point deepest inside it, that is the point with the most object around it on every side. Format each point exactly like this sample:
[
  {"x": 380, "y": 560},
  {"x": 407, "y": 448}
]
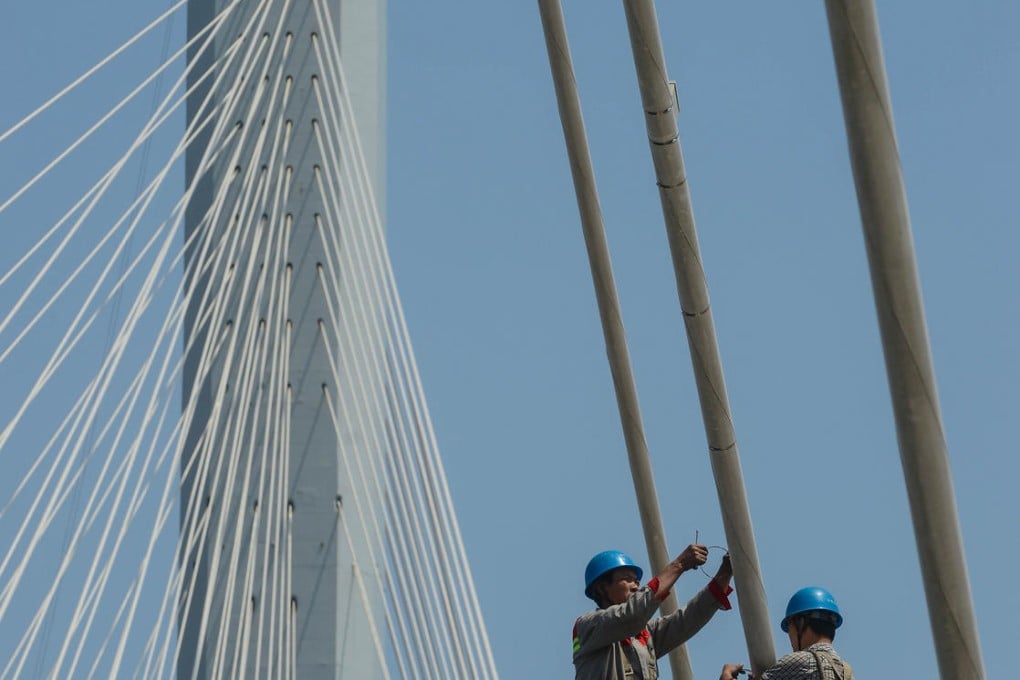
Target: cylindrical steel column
[
  {"x": 883, "y": 205},
  {"x": 608, "y": 303},
  {"x": 660, "y": 118}
]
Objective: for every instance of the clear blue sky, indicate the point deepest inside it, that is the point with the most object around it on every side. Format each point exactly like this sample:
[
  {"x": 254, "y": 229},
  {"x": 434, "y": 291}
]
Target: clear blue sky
[
  {"x": 488, "y": 252},
  {"x": 488, "y": 249}
]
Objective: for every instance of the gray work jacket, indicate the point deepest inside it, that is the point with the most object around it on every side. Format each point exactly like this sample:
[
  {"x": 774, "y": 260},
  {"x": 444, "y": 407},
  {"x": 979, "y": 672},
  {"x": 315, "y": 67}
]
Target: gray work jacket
[{"x": 619, "y": 642}]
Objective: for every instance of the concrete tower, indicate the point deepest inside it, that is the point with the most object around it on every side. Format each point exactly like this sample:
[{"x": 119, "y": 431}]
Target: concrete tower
[{"x": 331, "y": 596}]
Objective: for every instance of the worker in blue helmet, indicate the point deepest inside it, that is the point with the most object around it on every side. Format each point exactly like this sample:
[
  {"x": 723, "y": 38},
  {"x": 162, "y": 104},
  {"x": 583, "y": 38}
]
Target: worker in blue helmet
[
  {"x": 620, "y": 639},
  {"x": 811, "y": 620}
]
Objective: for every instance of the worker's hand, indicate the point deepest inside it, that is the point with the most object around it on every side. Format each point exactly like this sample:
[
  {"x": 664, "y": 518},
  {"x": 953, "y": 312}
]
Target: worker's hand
[
  {"x": 725, "y": 573},
  {"x": 731, "y": 670},
  {"x": 692, "y": 557}
]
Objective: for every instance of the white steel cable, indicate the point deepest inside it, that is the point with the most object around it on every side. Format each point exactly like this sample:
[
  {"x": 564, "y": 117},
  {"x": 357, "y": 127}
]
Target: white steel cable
[
  {"x": 171, "y": 591},
  {"x": 143, "y": 164},
  {"x": 287, "y": 662},
  {"x": 188, "y": 536},
  {"x": 377, "y": 407},
  {"x": 144, "y": 199},
  {"x": 292, "y": 647},
  {"x": 272, "y": 507},
  {"x": 229, "y": 456},
  {"x": 250, "y": 63},
  {"x": 195, "y": 525},
  {"x": 132, "y": 320},
  {"x": 278, "y": 383},
  {"x": 81, "y": 400},
  {"x": 232, "y": 468},
  {"x": 437, "y": 479},
  {"x": 227, "y": 632},
  {"x": 90, "y": 72},
  {"x": 423, "y": 563},
  {"x": 117, "y": 410},
  {"x": 420, "y": 562},
  {"x": 51, "y": 442},
  {"x": 143, "y": 138},
  {"x": 218, "y": 451},
  {"x": 164, "y": 508},
  {"x": 381, "y": 567},
  {"x": 445, "y": 600},
  {"x": 229, "y": 353},
  {"x": 101, "y": 652},
  {"x": 276, "y": 505},
  {"x": 106, "y": 374},
  {"x": 374, "y": 406},
  {"x": 435, "y": 531},
  {"x": 453, "y": 651},
  {"x": 97, "y": 125},
  {"x": 252, "y": 363},
  {"x": 235, "y": 556},
  {"x": 165, "y": 501},
  {"x": 418, "y": 558},
  {"x": 437, "y": 476},
  {"x": 88, "y": 393},
  {"x": 354, "y": 278},
  {"x": 272, "y": 322},
  {"x": 376, "y": 642},
  {"x": 213, "y": 314},
  {"x": 265, "y": 343},
  {"x": 367, "y": 355},
  {"x": 374, "y": 446},
  {"x": 93, "y": 195},
  {"x": 410, "y": 428},
  {"x": 37, "y": 387},
  {"x": 84, "y": 397}
]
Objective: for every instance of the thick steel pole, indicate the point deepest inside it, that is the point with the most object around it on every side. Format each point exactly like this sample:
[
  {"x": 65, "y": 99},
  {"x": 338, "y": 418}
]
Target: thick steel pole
[
  {"x": 883, "y": 205},
  {"x": 609, "y": 306},
  {"x": 661, "y": 119}
]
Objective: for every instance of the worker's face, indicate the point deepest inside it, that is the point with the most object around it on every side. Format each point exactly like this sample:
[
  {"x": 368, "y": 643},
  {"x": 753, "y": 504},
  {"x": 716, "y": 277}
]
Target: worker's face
[{"x": 624, "y": 581}]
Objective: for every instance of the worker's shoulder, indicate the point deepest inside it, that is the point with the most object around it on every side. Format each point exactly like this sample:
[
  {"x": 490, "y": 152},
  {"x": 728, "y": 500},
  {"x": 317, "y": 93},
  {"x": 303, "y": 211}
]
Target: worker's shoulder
[
  {"x": 595, "y": 619},
  {"x": 795, "y": 660},
  {"x": 586, "y": 617}
]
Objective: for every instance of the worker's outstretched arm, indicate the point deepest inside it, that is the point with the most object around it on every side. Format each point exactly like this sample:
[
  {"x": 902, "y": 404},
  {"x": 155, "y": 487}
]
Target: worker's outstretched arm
[{"x": 668, "y": 632}]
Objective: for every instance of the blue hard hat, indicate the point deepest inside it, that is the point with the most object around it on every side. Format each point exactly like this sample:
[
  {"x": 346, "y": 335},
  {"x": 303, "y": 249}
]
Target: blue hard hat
[
  {"x": 604, "y": 563},
  {"x": 813, "y": 602}
]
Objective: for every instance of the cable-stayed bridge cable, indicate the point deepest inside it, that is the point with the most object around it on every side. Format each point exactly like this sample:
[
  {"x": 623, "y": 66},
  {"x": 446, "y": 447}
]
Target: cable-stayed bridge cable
[{"x": 231, "y": 440}]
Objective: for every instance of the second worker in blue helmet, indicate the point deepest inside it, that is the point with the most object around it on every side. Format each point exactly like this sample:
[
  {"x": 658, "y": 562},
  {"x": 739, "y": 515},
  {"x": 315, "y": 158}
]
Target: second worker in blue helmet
[
  {"x": 620, "y": 639},
  {"x": 811, "y": 620}
]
